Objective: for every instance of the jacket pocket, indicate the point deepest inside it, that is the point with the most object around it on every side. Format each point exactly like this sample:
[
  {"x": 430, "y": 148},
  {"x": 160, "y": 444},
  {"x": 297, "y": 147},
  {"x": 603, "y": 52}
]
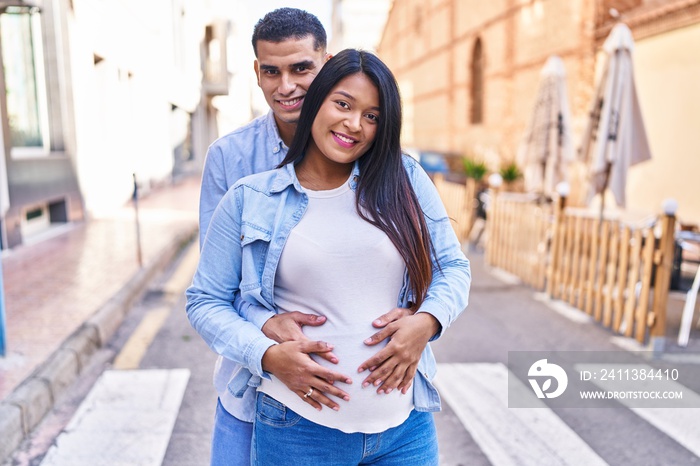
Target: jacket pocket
[{"x": 255, "y": 242}]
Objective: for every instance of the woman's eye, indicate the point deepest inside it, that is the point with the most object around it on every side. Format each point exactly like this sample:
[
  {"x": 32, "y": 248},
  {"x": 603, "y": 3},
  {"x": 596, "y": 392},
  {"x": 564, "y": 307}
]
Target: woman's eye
[
  {"x": 372, "y": 117},
  {"x": 343, "y": 104}
]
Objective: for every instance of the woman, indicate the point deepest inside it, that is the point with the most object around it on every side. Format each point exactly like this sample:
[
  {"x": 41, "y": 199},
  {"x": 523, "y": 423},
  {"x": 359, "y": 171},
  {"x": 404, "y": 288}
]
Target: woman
[{"x": 346, "y": 226}]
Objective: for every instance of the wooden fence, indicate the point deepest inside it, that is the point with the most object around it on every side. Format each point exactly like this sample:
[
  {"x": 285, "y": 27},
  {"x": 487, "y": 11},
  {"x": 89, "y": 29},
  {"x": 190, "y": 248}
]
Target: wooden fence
[
  {"x": 519, "y": 233},
  {"x": 459, "y": 200},
  {"x": 616, "y": 273}
]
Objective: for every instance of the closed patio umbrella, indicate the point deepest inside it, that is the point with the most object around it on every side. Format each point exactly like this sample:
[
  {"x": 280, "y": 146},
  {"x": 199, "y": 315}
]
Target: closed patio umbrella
[
  {"x": 615, "y": 138},
  {"x": 546, "y": 148}
]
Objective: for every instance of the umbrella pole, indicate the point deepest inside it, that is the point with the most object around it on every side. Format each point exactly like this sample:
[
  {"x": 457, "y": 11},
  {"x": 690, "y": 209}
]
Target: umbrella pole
[{"x": 608, "y": 168}]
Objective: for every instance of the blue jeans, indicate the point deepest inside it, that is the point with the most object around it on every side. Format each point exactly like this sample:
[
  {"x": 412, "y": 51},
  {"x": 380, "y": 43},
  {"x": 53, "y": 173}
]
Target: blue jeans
[
  {"x": 230, "y": 443},
  {"x": 281, "y": 436}
]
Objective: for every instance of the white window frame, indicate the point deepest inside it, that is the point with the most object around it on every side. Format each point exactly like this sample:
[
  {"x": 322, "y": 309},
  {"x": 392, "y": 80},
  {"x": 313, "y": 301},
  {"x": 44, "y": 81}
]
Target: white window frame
[{"x": 19, "y": 152}]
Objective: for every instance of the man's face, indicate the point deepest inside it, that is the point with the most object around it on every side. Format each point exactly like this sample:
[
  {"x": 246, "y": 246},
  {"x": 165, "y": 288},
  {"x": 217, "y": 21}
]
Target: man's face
[{"x": 285, "y": 70}]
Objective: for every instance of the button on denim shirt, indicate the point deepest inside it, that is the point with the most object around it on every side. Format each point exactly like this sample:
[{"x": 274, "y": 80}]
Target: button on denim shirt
[{"x": 241, "y": 252}]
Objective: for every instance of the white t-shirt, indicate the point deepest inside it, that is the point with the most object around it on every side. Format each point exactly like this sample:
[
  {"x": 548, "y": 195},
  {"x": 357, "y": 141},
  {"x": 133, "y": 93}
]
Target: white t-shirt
[{"x": 338, "y": 265}]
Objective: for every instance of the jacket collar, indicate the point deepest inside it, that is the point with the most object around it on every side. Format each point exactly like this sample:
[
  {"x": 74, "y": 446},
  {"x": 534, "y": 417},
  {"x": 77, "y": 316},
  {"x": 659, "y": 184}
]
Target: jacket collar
[{"x": 287, "y": 176}]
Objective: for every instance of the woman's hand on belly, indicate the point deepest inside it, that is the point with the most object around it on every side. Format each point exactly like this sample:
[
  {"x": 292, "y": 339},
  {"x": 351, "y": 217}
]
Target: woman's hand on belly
[
  {"x": 287, "y": 327},
  {"x": 395, "y": 365},
  {"x": 291, "y": 364}
]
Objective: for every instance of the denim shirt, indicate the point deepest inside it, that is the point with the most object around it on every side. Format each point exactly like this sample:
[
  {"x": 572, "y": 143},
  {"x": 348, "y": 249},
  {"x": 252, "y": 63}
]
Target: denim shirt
[
  {"x": 241, "y": 252},
  {"x": 253, "y": 148}
]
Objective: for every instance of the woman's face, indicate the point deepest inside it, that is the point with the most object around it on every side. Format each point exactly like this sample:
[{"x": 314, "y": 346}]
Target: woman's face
[{"x": 346, "y": 123}]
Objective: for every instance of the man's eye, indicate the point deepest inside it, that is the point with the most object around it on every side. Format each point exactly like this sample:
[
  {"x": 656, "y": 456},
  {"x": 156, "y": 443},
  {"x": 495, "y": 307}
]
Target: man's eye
[
  {"x": 271, "y": 72},
  {"x": 300, "y": 69}
]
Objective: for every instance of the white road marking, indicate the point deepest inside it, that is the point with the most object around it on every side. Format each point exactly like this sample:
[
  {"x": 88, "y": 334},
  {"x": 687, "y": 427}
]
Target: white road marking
[
  {"x": 478, "y": 394},
  {"x": 126, "y": 419},
  {"x": 564, "y": 309},
  {"x": 682, "y": 423}
]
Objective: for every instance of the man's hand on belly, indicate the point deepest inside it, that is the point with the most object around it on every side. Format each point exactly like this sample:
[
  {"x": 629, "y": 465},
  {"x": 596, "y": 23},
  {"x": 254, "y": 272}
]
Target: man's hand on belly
[
  {"x": 287, "y": 327},
  {"x": 395, "y": 365}
]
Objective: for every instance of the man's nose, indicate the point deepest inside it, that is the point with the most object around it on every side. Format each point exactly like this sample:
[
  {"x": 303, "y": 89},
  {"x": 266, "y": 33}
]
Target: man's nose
[{"x": 287, "y": 84}]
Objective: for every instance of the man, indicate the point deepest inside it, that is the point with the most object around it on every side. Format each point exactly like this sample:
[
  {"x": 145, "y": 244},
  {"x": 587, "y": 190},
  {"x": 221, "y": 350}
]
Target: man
[{"x": 290, "y": 49}]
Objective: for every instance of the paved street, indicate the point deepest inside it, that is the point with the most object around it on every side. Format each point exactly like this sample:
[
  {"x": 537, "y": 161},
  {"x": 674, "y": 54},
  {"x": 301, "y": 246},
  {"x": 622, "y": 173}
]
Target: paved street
[
  {"x": 144, "y": 396},
  {"x": 157, "y": 372}
]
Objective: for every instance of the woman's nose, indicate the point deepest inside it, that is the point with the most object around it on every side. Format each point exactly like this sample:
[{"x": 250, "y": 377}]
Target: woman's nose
[{"x": 352, "y": 122}]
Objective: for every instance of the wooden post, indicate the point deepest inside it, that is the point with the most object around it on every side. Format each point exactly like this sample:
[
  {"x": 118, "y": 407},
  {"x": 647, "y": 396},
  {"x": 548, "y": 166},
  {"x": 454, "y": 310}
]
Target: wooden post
[
  {"x": 591, "y": 275},
  {"x": 492, "y": 226},
  {"x": 622, "y": 275},
  {"x": 611, "y": 275},
  {"x": 631, "y": 301},
  {"x": 583, "y": 265},
  {"x": 557, "y": 239},
  {"x": 575, "y": 264},
  {"x": 662, "y": 282},
  {"x": 642, "y": 312},
  {"x": 470, "y": 193},
  {"x": 600, "y": 271}
]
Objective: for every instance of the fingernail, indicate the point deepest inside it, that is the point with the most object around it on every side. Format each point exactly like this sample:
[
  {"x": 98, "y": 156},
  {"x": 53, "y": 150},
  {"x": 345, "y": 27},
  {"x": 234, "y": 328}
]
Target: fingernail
[
  {"x": 388, "y": 390},
  {"x": 365, "y": 384},
  {"x": 377, "y": 383},
  {"x": 329, "y": 346},
  {"x": 348, "y": 381},
  {"x": 372, "y": 368},
  {"x": 336, "y": 408},
  {"x": 369, "y": 340},
  {"x": 360, "y": 369},
  {"x": 346, "y": 398},
  {"x": 377, "y": 322},
  {"x": 318, "y": 409}
]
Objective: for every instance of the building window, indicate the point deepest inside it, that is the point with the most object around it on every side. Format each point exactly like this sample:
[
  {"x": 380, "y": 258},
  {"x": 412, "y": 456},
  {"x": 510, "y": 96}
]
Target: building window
[
  {"x": 476, "y": 113},
  {"x": 25, "y": 86}
]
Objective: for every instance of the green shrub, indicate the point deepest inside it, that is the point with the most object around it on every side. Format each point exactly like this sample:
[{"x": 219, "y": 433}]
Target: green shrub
[
  {"x": 510, "y": 172},
  {"x": 476, "y": 169}
]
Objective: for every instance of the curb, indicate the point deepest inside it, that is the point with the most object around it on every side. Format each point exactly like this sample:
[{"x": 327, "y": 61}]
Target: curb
[{"x": 27, "y": 405}]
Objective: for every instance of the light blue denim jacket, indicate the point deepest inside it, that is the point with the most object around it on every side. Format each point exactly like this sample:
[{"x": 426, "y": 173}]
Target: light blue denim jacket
[{"x": 240, "y": 256}]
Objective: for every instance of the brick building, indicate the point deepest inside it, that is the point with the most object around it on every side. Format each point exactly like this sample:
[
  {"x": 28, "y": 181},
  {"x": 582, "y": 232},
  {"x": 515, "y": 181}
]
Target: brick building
[{"x": 469, "y": 70}]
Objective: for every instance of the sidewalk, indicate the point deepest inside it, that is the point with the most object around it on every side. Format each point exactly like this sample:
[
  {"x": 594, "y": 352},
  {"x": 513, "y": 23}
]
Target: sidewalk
[{"x": 66, "y": 295}]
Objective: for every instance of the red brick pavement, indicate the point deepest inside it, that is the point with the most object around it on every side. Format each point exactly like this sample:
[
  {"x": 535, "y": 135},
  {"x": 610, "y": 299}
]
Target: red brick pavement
[{"x": 53, "y": 286}]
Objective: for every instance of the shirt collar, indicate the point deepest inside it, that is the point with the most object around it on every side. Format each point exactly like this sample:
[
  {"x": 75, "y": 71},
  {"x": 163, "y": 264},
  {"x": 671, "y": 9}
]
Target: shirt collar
[{"x": 273, "y": 133}]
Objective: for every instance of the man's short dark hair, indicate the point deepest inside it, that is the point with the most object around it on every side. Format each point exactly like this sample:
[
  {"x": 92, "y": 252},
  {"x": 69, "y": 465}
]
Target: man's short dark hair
[{"x": 289, "y": 23}]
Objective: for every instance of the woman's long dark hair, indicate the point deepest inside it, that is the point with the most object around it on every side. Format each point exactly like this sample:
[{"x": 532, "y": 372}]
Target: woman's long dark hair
[{"x": 384, "y": 196}]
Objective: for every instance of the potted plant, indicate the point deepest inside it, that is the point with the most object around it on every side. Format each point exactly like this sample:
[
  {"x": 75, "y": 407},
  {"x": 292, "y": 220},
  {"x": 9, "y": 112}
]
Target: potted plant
[
  {"x": 510, "y": 172},
  {"x": 475, "y": 169}
]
